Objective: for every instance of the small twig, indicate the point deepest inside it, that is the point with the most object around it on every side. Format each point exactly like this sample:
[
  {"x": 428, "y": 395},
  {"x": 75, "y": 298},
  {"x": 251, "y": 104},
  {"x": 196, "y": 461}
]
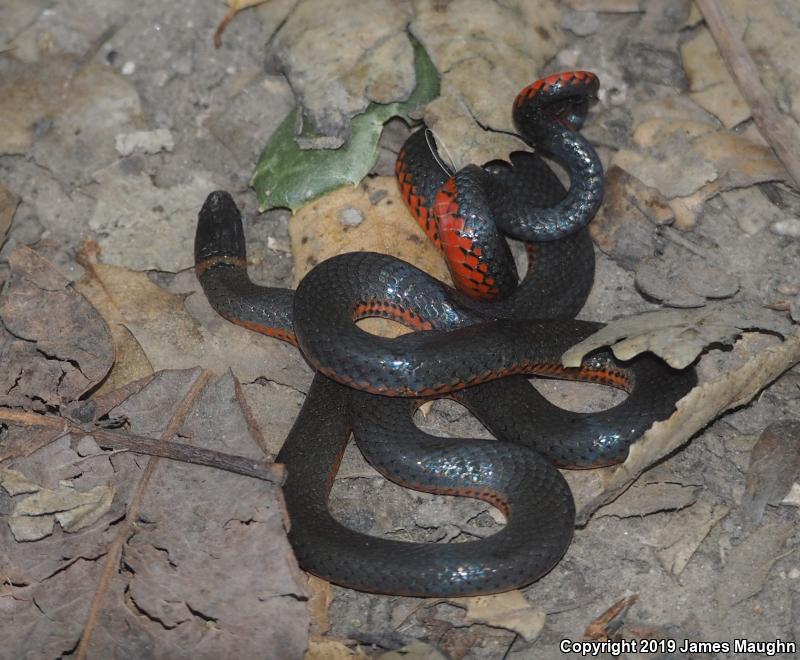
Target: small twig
[
  {"x": 772, "y": 124},
  {"x": 176, "y": 451}
]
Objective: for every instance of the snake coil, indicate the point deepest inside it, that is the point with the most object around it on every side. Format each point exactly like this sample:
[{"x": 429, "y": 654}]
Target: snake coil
[{"x": 475, "y": 343}]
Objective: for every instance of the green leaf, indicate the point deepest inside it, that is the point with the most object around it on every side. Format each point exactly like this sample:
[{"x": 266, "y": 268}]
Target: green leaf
[{"x": 289, "y": 177}]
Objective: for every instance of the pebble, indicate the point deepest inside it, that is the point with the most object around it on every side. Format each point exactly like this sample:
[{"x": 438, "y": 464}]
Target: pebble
[
  {"x": 128, "y": 68},
  {"x": 581, "y": 23},
  {"x": 787, "y": 228},
  {"x": 149, "y": 142},
  {"x": 789, "y": 288},
  {"x": 351, "y": 217}
]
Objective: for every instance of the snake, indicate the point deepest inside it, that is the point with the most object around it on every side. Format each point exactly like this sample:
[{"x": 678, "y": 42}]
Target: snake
[{"x": 477, "y": 342}]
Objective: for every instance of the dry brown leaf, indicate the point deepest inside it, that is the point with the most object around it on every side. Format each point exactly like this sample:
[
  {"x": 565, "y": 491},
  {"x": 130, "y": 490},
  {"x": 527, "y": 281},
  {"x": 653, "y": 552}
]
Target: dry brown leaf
[
  {"x": 793, "y": 497},
  {"x": 75, "y": 102},
  {"x": 205, "y": 541},
  {"x": 131, "y": 362},
  {"x": 685, "y": 280},
  {"x": 605, "y": 627},
  {"x": 322, "y": 648},
  {"x": 509, "y": 610},
  {"x": 8, "y": 206},
  {"x": 774, "y": 467},
  {"x": 749, "y": 563},
  {"x": 679, "y": 151},
  {"x": 331, "y": 90},
  {"x": 651, "y": 495},
  {"x": 666, "y": 158},
  {"x": 16, "y": 483},
  {"x": 683, "y": 534},
  {"x": 234, "y": 7},
  {"x": 54, "y": 357},
  {"x": 625, "y": 226},
  {"x": 504, "y": 45},
  {"x": 319, "y": 602},
  {"x": 678, "y": 336},
  {"x": 33, "y": 517},
  {"x": 176, "y": 333},
  {"x": 710, "y": 82},
  {"x": 703, "y": 404},
  {"x": 770, "y": 31},
  {"x": 371, "y": 217}
]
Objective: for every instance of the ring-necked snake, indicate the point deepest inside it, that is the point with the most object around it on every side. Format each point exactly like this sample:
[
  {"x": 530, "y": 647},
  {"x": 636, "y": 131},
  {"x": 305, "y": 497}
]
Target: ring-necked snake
[{"x": 475, "y": 344}]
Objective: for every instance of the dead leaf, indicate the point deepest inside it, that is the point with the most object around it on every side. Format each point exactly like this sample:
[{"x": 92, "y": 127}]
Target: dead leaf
[
  {"x": 331, "y": 90},
  {"x": 769, "y": 34},
  {"x": 683, "y": 534},
  {"x": 131, "y": 362},
  {"x": 319, "y": 602},
  {"x": 651, "y": 495},
  {"x": 774, "y": 467},
  {"x": 666, "y": 158},
  {"x": 683, "y": 280},
  {"x": 502, "y": 44},
  {"x": 678, "y": 336},
  {"x": 234, "y": 7},
  {"x": 703, "y": 404},
  {"x": 323, "y": 648},
  {"x": 679, "y": 151},
  {"x": 195, "y": 542},
  {"x": 75, "y": 102},
  {"x": 371, "y": 217},
  {"x": 710, "y": 82},
  {"x": 748, "y": 564},
  {"x": 34, "y": 516},
  {"x": 21, "y": 441},
  {"x": 176, "y": 333},
  {"x": 509, "y": 610},
  {"x": 16, "y": 483},
  {"x": 793, "y": 498},
  {"x": 605, "y": 627},
  {"x": 60, "y": 347},
  {"x": 8, "y": 207},
  {"x": 625, "y": 226}
]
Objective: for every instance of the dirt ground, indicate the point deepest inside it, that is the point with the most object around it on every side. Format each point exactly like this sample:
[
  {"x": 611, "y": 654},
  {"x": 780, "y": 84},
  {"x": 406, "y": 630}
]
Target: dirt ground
[{"x": 116, "y": 120}]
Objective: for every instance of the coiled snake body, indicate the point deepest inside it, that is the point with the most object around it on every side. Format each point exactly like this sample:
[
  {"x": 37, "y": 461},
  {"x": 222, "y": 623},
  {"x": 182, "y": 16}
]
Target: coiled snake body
[{"x": 475, "y": 344}]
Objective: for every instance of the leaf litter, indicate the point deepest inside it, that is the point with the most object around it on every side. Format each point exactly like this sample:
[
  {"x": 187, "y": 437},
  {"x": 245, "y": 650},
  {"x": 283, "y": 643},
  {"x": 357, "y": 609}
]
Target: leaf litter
[
  {"x": 107, "y": 553},
  {"x": 756, "y": 370},
  {"x": 774, "y": 467}
]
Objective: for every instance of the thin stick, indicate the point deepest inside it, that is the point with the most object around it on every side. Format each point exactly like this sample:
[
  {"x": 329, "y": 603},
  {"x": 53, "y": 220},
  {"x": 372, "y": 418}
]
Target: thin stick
[
  {"x": 177, "y": 451},
  {"x": 772, "y": 124}
]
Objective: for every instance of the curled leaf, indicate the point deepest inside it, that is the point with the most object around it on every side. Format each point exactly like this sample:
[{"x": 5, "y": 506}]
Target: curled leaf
[{"x": 678, "y": 336}]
